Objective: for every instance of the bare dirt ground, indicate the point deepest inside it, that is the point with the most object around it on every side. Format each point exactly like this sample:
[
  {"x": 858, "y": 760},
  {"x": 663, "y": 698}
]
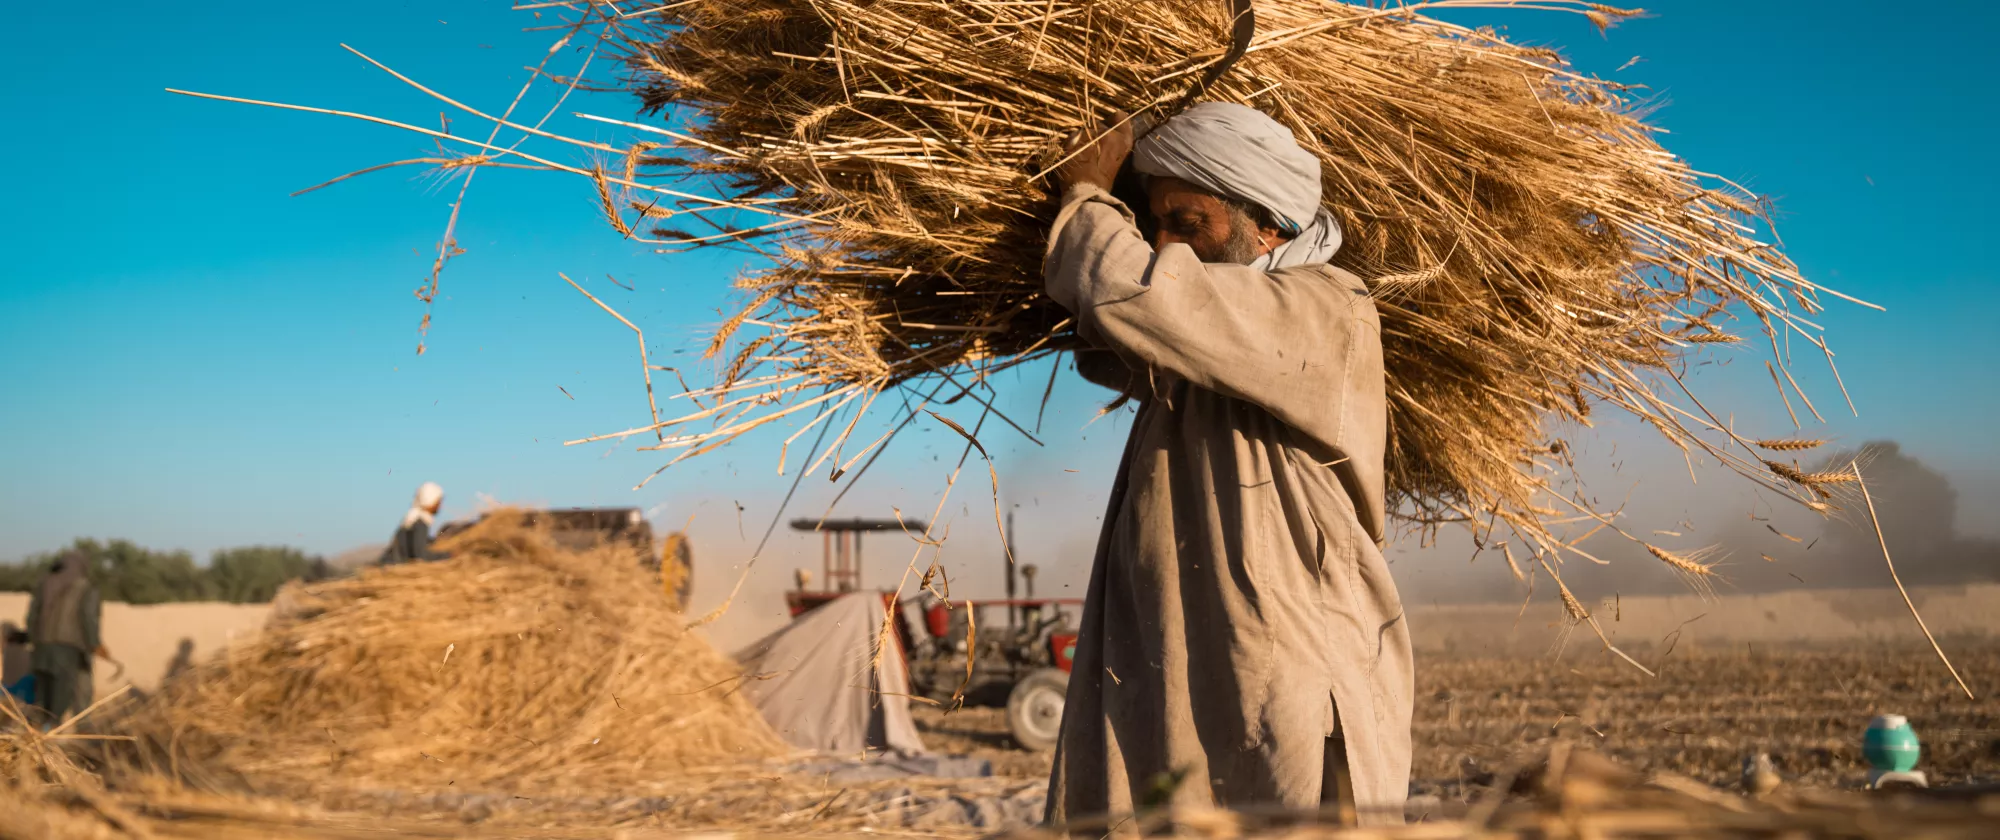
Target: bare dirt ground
[
  {"x": 1806, "y": 706},
  {"x": 980, "y": 732}
]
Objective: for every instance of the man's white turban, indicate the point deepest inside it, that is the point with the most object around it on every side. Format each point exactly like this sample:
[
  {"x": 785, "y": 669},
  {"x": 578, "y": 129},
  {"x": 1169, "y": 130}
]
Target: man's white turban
[
  {"x": 429, "y": 494},
  {"x": 1240, "y": 153}
]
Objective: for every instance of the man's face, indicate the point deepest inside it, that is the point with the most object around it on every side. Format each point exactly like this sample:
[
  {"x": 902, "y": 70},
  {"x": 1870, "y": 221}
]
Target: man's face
[{"x": 1216, "y": 231}]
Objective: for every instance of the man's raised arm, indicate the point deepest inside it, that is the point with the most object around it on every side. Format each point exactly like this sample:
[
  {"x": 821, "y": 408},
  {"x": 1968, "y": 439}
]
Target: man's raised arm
[{"x": 1301, "y": 343}]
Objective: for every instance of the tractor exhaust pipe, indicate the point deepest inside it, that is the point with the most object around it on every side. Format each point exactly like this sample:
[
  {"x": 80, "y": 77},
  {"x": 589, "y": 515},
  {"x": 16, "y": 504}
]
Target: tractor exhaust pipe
[{"x": 1012, "y": 610}]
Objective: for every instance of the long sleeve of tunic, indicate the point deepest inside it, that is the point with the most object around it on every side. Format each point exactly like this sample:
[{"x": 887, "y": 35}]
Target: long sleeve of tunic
[
  {"x": 34, "y": 614},
  {"x": 420, "y": 543},
  {"x": 90, "y": 619},
  {"x": 1241, "y": 631},
  {"x": 1103, "y": 367},
  {"x": 411, "y": 544}
]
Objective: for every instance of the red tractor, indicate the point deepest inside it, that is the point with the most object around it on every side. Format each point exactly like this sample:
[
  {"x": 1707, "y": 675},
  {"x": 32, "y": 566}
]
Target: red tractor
[{"x": 1020, "y": 659}]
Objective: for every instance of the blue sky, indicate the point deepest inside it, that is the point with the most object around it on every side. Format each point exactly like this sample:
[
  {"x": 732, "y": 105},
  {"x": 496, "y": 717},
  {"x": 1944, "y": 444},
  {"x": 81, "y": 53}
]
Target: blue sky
[{"x": 195, "y": 359}]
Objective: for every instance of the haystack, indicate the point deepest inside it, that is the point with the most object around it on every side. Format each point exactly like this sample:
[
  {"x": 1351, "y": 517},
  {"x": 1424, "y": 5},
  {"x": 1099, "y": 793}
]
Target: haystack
[{"x": 515, "y": 664}]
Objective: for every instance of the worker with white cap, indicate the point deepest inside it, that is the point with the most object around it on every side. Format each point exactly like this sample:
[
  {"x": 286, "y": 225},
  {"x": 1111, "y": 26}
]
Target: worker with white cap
[{"x": 412, "y": 541}]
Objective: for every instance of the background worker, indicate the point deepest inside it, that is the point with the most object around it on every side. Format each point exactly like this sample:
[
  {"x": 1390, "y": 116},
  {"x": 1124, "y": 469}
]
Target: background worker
[
  {"x": 1242, "y": 642},
  {"x": 14, "y": 661},
  {"x": 412, "y": 541},
  {"x": 64, "y": 624}
]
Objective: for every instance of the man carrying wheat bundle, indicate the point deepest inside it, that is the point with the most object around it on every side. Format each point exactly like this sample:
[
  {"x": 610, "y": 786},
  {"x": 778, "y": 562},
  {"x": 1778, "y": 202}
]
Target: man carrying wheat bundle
[{"x": 1242, "y": 641}]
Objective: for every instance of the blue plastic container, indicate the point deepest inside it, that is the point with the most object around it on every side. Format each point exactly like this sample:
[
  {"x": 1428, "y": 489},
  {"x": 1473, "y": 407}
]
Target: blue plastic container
[{"x": 1891, "y": 745}]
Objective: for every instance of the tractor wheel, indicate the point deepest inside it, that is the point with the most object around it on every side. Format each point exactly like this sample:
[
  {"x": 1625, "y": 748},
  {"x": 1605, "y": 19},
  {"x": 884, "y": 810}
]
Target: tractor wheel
[{"x": 1035, "y": 708}]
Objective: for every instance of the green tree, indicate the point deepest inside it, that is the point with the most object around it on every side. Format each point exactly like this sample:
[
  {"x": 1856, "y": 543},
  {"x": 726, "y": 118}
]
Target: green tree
[
  {"x": 120, "y": 569},
  {"x": 21, "y": 577},
  {"x": 254, "y": 573},
  {"x": 126, "y": 572}
]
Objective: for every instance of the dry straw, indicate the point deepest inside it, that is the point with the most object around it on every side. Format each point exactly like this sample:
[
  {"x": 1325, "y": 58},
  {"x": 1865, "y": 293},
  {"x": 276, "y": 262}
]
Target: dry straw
[
  {"x": 1538, "y": 255},
  {"x": 1568, "y": 791},
  {"x": 516, "y": 664}
]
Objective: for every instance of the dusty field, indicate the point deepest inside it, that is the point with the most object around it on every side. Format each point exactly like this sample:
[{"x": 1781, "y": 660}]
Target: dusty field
[
  {"x": 1694, "y": 624},
  {"x": 1806, "y": 706},
  {"x": 1796, "y": 673},
  {"x": 147, "y": 639},
  {"x": 1489, "y": 688}
]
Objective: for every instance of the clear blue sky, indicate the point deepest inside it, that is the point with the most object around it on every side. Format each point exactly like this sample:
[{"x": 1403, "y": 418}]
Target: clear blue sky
[{"x": 194, "y": 359}]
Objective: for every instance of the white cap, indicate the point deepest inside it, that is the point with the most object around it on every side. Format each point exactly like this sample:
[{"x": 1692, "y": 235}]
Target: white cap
[{"x": 429, "y": 494}]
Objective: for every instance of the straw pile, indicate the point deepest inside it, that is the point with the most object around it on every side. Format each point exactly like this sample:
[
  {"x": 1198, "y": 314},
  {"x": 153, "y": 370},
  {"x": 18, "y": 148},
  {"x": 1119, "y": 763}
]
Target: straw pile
[
  {"x": 44, "y": 794},
  {"x": 515, "y": 664},
  {"x": 1533, "y": 251}
]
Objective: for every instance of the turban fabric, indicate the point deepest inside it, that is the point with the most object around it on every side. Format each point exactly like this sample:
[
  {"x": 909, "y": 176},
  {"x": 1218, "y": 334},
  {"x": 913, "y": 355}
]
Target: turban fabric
[
  {"x": 428, "y": 496},
  {"x": 1240, "y": 153}
]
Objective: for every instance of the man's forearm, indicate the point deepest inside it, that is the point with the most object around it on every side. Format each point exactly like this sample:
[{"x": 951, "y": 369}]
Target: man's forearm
[{"x": 1297, "y": 342}]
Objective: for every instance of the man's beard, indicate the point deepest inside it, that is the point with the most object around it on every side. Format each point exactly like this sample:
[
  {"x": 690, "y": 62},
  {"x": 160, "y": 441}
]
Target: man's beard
[{"x": 1241, "y": 247}]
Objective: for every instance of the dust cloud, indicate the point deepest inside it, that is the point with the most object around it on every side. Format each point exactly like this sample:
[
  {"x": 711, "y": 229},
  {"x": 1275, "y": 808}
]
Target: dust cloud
[
  {"x": 1919, "y": 511},
  {"x": 1763, "y": 544},
  {"x": 1760, "y": 544}
]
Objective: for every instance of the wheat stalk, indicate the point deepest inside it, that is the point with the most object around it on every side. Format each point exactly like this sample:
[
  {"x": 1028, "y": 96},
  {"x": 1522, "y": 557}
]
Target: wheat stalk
[
  {"x": 1713, "y": 338},
  {"x": 1691, "y": 567},
  {"x": 1810, "y": 479}
]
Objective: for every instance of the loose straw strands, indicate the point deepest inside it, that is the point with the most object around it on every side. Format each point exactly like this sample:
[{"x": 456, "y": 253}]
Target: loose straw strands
[
  {"x": 1555, "y": 240},
  {"x": 1541, "y": 257},
  {"x": 1876, "y": 521}
]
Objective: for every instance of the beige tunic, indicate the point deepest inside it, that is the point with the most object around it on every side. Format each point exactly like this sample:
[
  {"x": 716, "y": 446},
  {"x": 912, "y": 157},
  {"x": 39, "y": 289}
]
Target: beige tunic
[{"x": 1241, "y": 625}]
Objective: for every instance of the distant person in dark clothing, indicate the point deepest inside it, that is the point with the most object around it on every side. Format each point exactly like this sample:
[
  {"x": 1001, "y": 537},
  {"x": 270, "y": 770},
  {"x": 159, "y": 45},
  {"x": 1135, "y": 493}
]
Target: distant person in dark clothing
[
  {"x": 63, "y": 625},
  {"x": 14, "y": 656},
  {"x": 412, "y": 541},
  {"x": 182, "y": 661}
]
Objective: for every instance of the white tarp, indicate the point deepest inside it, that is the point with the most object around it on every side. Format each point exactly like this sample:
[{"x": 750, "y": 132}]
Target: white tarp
[{"x": 815, "y": 681}]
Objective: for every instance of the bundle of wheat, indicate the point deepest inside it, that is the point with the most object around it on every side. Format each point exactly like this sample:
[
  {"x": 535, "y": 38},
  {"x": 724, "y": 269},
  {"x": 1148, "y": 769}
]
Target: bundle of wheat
[
  {"x": 1534, "y": 254},
  {"x": 1533, "y": 251},
  {"x": 514, "y": 664}
]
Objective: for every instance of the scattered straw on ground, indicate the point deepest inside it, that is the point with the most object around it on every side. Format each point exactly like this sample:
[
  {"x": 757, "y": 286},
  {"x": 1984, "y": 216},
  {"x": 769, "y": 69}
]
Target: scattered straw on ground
[
  {"x": 1578, "y": 794},
  {"x": 514, "y": 664},
  {"x": 44, "y": 793}
]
